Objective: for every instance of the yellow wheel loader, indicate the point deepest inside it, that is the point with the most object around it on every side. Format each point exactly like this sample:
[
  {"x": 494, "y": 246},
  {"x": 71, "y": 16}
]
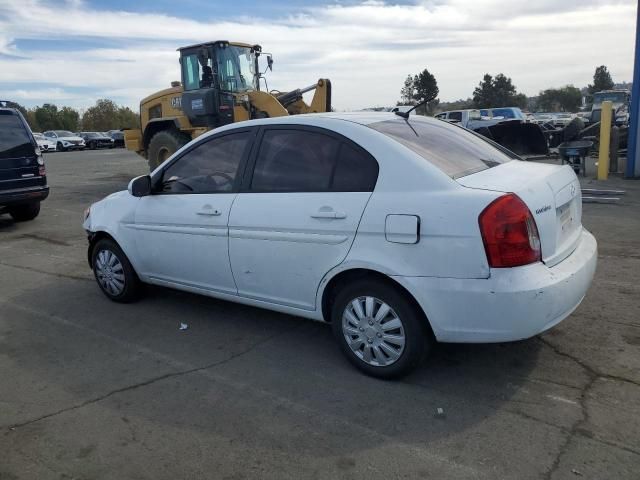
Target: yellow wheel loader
[{"x": 220, "y": 85}]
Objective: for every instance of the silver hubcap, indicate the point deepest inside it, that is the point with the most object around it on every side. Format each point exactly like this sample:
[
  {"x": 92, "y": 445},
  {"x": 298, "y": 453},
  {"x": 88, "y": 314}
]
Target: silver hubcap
[
  {"x": 110, "y": 272},
  {"x": 373, "y": 331}
]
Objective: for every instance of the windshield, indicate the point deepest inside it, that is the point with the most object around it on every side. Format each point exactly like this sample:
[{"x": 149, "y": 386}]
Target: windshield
[
  {"x": 39, "y": 136},
  {"x": 454, "y": 150},
  {"x": 14, "y": 139},
  {"x": 507, "y": 113},
  {"x": 615, "y": 97},
  {"x": 63, "y": 133},
  {"x": 236, "y": 69}
]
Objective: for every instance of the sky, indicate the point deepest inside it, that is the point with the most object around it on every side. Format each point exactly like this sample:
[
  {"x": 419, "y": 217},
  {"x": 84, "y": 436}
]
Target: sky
[{"x": 73, "y": 52}]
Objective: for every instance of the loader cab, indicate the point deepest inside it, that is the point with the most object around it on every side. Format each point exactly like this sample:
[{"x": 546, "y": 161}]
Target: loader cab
[{"x": 217, "y": 76}]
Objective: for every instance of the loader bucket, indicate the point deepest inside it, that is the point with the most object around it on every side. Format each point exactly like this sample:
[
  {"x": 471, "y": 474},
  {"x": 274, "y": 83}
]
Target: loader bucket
[{"x": 519, "y": 137}]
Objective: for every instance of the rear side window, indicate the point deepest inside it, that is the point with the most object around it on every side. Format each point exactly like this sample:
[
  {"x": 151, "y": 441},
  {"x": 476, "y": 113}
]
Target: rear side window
[
  {"x": 455, "y": 116},
  {"x": 454, "y": 150},
  {"x": 307, "y": 161},
  {"x": 14, "y": 139},
  {"x": 355, "y": 171}
]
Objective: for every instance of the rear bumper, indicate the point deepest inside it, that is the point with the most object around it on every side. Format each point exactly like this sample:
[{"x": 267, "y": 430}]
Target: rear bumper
[
  {"x": 512, "y": 304},
  {"x": 22, "y": 196}
]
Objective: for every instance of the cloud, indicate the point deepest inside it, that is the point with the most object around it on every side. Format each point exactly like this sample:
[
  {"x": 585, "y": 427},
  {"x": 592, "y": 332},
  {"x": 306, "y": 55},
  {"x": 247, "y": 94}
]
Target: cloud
[{"x": 366, "y": 49}]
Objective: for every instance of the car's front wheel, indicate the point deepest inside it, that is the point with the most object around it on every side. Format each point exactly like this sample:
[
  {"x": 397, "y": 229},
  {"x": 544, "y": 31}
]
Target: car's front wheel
[
  {"x": 23, "y": 213},
  {"x": 379, "y": 330},
  {"x": 60, "y": 147},
  {"x": 113, "y": 271}
]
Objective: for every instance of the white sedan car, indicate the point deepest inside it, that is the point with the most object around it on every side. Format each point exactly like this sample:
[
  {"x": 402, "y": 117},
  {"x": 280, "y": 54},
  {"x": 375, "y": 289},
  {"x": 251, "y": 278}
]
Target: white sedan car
[
  {"x": 397, "y": 232},
  {"x": 65, "y": 140},
  {"x": 45, "y": 144}
]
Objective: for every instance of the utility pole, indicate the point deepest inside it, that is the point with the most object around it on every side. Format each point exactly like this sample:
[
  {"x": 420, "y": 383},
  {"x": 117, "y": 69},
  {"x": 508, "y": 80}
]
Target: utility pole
[{"x": 633, "y": 152}]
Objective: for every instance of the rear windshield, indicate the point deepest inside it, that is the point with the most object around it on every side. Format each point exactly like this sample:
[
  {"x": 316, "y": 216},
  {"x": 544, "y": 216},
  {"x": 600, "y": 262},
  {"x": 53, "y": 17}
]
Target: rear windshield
[
  {"x": 454, "y": 150},
  {"x": 14, "y": 140}
]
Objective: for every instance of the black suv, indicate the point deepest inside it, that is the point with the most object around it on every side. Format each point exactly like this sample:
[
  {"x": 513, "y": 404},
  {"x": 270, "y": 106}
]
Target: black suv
[{"x": 23, "y": 180}]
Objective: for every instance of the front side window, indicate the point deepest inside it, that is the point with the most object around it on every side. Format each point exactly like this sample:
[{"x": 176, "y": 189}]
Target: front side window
[
  {"x": 211, "y": 167},
  {"x": 14, "y": 139},
  {"x": 309, "y": 161},
  {"x": 454, "y": 150},
  {"x": 455, "y": 116},
  {"x": 191, "y": 71}
]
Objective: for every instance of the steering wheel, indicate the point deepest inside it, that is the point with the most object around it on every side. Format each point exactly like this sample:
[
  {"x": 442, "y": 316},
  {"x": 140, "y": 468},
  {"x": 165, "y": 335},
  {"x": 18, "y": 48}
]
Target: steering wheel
[{"x": 227, "y": 177}]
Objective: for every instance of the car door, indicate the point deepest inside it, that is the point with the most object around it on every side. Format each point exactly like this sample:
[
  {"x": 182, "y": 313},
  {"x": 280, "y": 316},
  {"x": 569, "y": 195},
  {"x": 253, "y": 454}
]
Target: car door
[
  {"x": 181, "y": 229},
  {"x": 298, "y": 212}
]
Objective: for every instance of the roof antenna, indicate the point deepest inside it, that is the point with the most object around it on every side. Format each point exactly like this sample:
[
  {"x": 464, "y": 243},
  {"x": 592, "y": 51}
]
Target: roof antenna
[{"x": 405, "y": 115}]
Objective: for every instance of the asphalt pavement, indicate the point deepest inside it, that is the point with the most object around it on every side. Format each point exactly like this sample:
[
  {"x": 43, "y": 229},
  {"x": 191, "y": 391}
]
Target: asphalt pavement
[{"x": 90, "y": 389}]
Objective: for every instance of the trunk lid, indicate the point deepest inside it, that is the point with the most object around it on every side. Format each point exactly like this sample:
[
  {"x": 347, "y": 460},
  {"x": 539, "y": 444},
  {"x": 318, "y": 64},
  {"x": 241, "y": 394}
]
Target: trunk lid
[{"x": 552, "y": 193}]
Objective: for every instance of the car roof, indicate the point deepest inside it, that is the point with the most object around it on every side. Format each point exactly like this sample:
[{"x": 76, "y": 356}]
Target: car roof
[{"x": 362, "y": 118}]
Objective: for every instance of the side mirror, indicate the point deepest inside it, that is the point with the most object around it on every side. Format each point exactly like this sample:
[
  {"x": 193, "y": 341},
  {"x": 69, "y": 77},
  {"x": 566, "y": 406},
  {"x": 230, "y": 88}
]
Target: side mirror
[
  {"x": 140, "y": 186},
  {"x": 270, "y": 62}
]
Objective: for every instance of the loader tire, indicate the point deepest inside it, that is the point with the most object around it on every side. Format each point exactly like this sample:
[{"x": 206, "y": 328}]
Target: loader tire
[
  {"x": 164, "y": 144},
  {"x": 572, "y": 131}
]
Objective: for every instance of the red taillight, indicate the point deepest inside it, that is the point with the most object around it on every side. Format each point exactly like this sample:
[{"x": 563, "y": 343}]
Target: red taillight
[{"x": 509, "y": 233}]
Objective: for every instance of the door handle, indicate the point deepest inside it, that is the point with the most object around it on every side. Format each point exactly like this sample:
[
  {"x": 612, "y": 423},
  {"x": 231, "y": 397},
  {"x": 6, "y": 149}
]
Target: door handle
[
  {"x": 329, "y": 214},
  {"x": 208, "y": 211}
]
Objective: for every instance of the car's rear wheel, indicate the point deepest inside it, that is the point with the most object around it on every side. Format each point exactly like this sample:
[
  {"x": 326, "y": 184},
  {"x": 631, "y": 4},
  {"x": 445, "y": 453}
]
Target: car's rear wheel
[
  {"x": 113, "y": 271},
  {"x": 379, "y": 330},
  {"x": 23, "y": 213}
]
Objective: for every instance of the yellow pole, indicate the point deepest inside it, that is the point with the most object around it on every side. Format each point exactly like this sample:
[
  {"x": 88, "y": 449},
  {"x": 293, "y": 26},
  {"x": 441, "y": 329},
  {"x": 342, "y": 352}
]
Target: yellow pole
[{"x": 605, "y": 140}]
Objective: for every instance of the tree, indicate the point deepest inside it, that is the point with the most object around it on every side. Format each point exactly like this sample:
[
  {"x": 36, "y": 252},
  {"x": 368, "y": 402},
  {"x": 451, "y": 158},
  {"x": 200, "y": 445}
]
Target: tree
[
  {"x": 426, "y": 90},
  {"x": 127, "y": 118},
  {"x": 601, "y": 80},
  {"x": 69, "y": 119},
  {"x": 46, "y": 117},
  {"x": 101, "y": 117},
  {"x": 566, "y": 99},
  {"x": 497, "y": 92},
  {"x": 407, "y": 92}
]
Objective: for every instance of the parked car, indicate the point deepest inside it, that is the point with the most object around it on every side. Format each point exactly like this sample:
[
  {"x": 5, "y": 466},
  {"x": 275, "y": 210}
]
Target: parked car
[
  {"x": 398, "y": 232},
  {"x": 562, "y": 119},
  {"x": 118, "y": 137},
  {"x": 543, "y": 118},
  {"x": 95, "y": 140},
  {"x": 65, "y": 140},
  {"x": 507, "y": 113},
  {"x": 45, "y": 144},
  {"x": 466, "y": 118},
  {"x": 23, "y": 178}
]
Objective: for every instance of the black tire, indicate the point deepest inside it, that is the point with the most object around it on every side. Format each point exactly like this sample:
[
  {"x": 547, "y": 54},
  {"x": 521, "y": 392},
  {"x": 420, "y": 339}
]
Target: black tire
[
  {"x": 164, "y": 144},
  {"x": 417, "y": 333},
  {"x": 92, "y": 146},
  {"x": 572, "y": 130},
  {"x": 24, "y": 213},
  {"x": 60, "y": 148},
  {"x": 132, "y": 286}
]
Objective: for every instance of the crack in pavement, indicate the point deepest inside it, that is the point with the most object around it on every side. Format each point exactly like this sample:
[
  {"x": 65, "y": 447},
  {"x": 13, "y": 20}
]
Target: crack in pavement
[
  {"x": 145, "y": 383},
  {"x": 36, "y": 270},
  {"x": 577, "y": 427}
]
